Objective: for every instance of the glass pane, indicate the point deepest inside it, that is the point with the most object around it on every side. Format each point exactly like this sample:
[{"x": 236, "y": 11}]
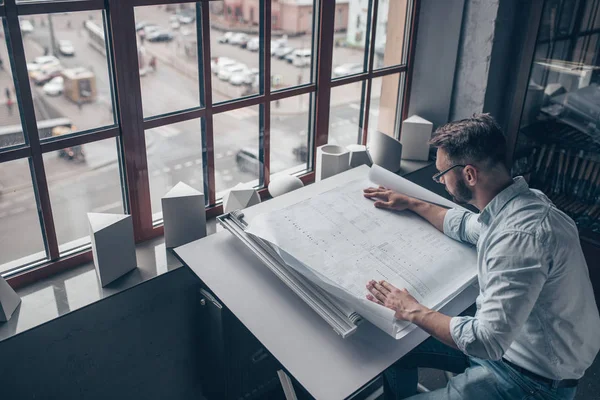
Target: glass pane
[
  {"x": 82, "y": 179},
  {"x": 289, "y": 134},
  {"x": 236, "y": 148},
  {"x": 11, "y": 132},
  {"x": 344, "y": 116},
  {"x": 559, "y": 135},
  {"x": 389, "y": 36},
  {"x": 384, "y": 103},
  {"x": 68, "y": 70},
  {"x": 18, "y": 214},
  {"x": 234, "y": 52},
  {"x": 174, "y": 155},
  {"x": 291, "y": 57},
  {"x": 168, "y": 57},
  {"x": 351, "y": 20}
]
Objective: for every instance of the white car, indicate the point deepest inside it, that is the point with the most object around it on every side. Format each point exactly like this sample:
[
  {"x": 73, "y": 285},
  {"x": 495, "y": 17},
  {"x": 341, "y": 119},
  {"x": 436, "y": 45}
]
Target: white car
[
  {"x": 283, "y": 51},
  {"x": 302, "y": 57},
  {"x": 26, "y": 26},
  {"x": 225, "y": 73},
  {"x": 221, "y": 62},
  {"x": 42, "y": 61},
  {"x": 348, "y": 69},
  {"x": 55, "y": 87},
  {"x": 226, "y": 37},
  {"x": 245, "y": 77},
  {"x": 239, "y": 39},
  {"x": 253, "y": 44},
  {"x": 65, "y": 47}
]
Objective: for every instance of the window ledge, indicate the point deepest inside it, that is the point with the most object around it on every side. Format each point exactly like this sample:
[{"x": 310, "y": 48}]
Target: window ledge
[{"x": 74, "y": 289}]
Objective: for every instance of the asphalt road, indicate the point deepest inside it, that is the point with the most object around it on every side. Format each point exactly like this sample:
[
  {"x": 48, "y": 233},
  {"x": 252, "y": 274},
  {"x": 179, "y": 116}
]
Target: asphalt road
[{"x": 174, "y": 152}]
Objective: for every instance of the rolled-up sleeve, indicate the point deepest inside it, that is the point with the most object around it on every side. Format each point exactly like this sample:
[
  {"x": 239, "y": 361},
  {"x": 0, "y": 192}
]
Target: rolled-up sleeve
[
  {"x": 517, "y": 270},
  {"x": 461, "y": 225}
]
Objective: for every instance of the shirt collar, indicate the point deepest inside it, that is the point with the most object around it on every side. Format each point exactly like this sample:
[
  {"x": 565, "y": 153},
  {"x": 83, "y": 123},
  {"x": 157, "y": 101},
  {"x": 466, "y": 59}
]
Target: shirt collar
[{"x": 519, "y": 186}]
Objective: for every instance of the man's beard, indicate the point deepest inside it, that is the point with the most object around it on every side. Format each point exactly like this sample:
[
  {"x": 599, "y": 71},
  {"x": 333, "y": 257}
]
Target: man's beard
[{"x": 463, "y": 194}]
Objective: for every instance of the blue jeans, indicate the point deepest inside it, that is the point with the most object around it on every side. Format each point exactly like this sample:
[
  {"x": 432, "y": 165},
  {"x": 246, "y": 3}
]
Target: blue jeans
[{"x": 477, "y": 379}]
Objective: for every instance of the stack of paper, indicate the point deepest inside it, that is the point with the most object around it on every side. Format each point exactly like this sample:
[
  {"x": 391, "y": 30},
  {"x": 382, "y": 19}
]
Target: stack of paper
[{"x": 339, "y": 242}]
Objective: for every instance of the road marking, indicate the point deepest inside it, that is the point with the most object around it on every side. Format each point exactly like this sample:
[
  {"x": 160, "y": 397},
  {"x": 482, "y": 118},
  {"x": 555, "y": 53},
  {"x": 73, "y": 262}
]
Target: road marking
[
  {"x": 219, "y": 156},
  {"x": 156, "y": 172},
  {"x": 199, "y": 161},
  {"x": 226, "y": 172},
  {"x": 354, "y": 106},
  {"x": 228, "y": 178},
  {"x": 22, "y": 198},
  {"x": 107, "y": 207},
  {"x": 188, "y": 164},
  {"x": 166, "y": 170},
  {"x": 6, "y": 204},
  {"x": 167, "y": 131},
  {"x": 229, "y": 153},
  {"x": 178, "y": 167}
]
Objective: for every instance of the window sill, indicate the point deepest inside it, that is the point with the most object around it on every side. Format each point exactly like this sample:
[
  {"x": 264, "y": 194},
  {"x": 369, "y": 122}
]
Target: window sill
[{"x": 60, "y": 294}]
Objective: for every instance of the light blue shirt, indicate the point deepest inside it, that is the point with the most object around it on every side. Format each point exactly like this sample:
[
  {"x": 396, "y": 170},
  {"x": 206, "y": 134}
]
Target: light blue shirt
[{"x": 536, "y": 305}]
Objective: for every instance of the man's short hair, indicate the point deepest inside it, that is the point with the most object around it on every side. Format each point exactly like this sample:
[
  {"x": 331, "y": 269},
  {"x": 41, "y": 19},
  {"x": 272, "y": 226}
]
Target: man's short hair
[{"x": 478, "y": 139}]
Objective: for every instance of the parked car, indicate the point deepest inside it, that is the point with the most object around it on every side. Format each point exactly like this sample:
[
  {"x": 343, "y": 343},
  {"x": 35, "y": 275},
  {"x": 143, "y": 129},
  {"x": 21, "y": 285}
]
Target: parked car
[
  {"x": 42, "y": 61},
  {"x": 226, "y": 37},
  {"x": 247, "y": 161},
  {"x": 65, "y": 47},
  {"x": 302, "y": 58},
  {"x": 149, "y": 29},
  {"x": 141, "y": 25},
  {"x": 239, "y": 39},
  {"x": 253, "y": 44},
  {"x": 282, "y": 52},
  {"x": 220, "y": 62},
  {"x": 160, "y": 36},
  {"x": 55, "y": 86},
  {"x": 45, "y": 74},
  {"x": 348, "y": 69},
  {"x": 226, "y": 72},
  {"x": 174, "y": 22},
  {"x": 245, "y": 77},
  {"x": 186, "y": 17},
  {"x": 26, "y": 25}
]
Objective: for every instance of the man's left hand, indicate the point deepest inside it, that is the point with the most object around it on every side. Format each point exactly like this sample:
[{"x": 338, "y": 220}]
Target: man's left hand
[{"x": 399, "y": 300}]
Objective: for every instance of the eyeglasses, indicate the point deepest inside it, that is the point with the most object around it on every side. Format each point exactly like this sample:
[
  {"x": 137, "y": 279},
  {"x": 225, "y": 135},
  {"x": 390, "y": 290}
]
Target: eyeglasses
[{"x": 437, "y": 176}]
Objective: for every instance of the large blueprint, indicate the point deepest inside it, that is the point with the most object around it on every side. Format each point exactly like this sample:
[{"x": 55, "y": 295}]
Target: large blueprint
[{"x": 339, "y": 241}]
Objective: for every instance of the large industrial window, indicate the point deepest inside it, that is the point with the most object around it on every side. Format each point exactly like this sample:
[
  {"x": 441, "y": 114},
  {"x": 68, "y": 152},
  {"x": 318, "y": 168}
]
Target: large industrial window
[{"x": 107, "y": 104}]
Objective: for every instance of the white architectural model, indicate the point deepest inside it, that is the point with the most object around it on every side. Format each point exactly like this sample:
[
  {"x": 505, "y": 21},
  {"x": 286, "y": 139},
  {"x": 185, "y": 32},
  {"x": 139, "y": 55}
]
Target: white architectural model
[
  {"x": 284, "y": 184},
  {"x": 385, "y": 151},
  {"x": 331, "y": 160},
  {"x": 184, "y": 215},
  {"x": 9, "y": 300},
  {"x": 414, "y": 137},
  {"x": 238, "y": 197},
  {"x": 359, "y": 155},
  {"x": 113, "y": 245}
]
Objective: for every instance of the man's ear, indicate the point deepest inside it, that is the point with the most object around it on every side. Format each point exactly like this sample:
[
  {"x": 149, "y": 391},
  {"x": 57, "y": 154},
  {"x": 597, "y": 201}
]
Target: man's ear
[{"x": 471, "y": 175}]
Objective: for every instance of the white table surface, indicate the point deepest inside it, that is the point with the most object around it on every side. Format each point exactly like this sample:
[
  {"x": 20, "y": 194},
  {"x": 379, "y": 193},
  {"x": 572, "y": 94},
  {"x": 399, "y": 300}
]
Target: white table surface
[{"x": 325, "y": 364}]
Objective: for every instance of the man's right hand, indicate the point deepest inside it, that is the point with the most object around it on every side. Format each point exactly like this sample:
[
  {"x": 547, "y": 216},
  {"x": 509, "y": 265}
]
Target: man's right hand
[{"x": 388, "y": 199}]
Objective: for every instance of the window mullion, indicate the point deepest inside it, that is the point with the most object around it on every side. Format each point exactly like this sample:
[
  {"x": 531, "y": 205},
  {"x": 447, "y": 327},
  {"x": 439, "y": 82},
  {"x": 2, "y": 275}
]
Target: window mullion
[
  {"x": 366, "y": 92},
  {"x": 208, "y": 141},
  {"x": 325, "y": 60},
  {"x": 264, "y": 141},
  {"x": 28, "y": 120},
  {"x": 131, "y": 121}
]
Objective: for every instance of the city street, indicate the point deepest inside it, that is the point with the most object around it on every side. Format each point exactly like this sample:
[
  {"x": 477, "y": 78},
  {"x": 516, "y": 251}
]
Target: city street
[{"x": 174, "y": 152}]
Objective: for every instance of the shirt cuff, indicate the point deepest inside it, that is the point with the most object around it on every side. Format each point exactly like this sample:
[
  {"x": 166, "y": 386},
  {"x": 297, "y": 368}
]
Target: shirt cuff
[
  {"x": 461, "y": 330},
  {"x": 452, "y": 223}
]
